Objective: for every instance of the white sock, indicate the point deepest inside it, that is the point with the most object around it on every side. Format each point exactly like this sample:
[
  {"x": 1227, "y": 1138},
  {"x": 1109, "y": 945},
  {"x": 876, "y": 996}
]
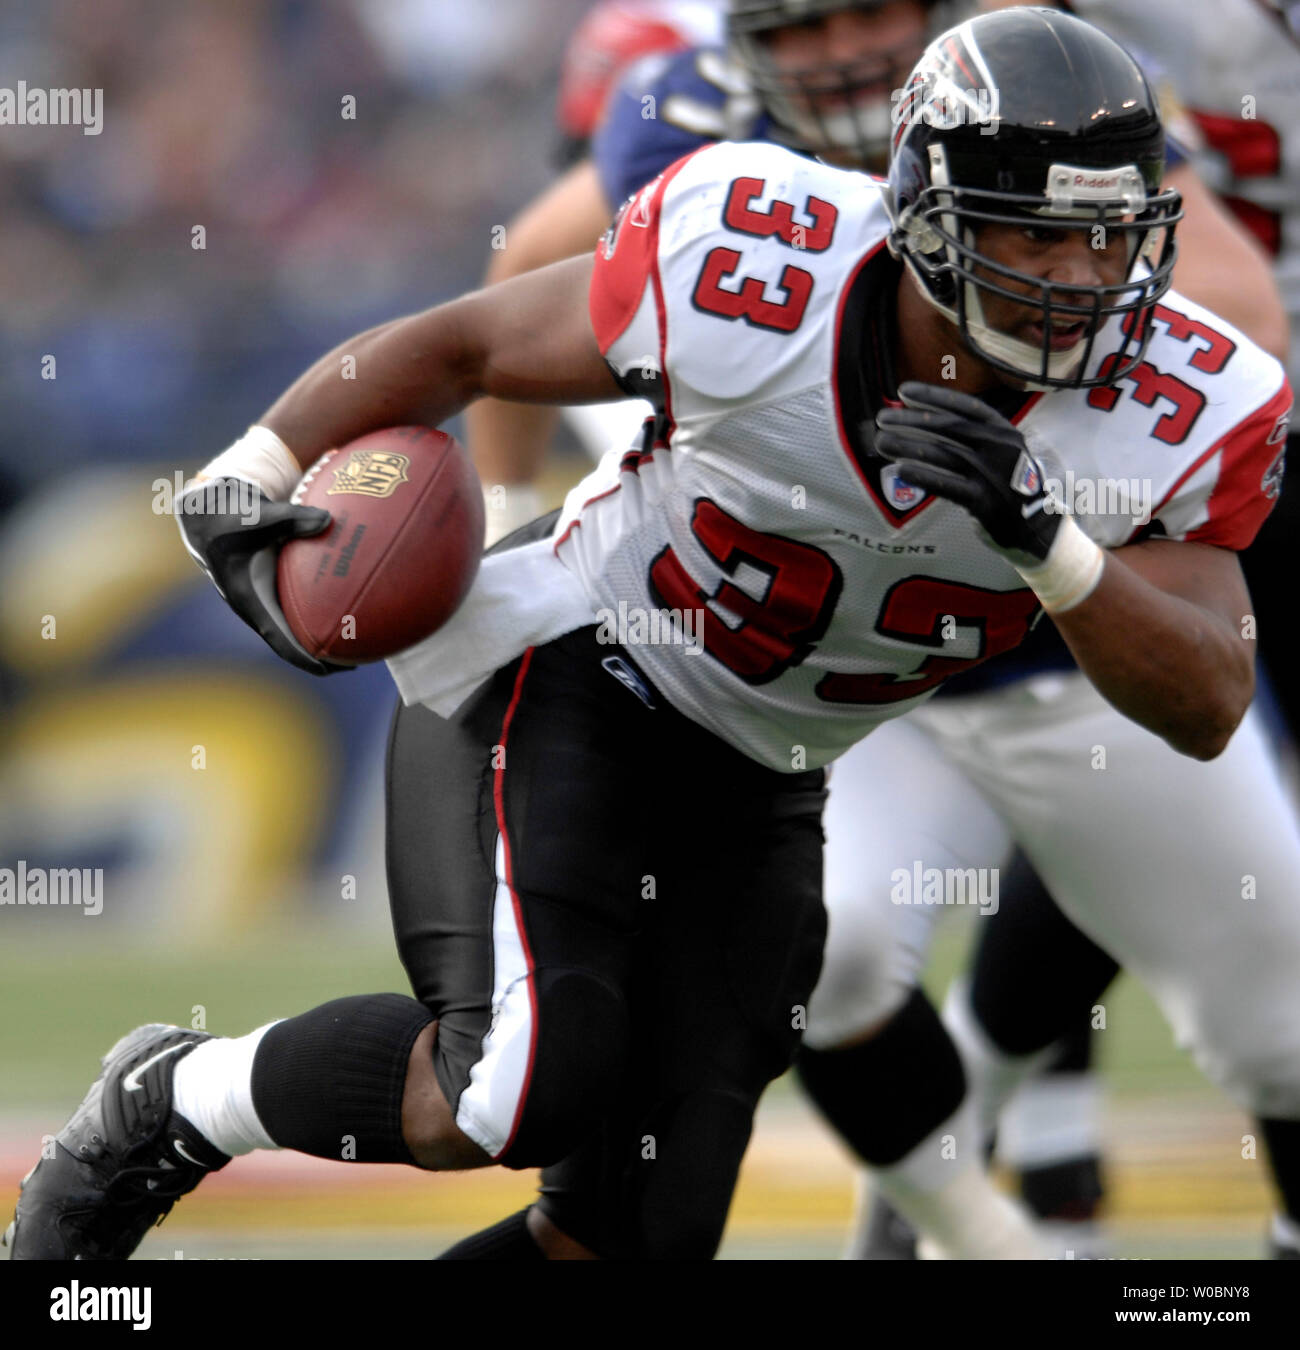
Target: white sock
[
  {"x": 950, "y": 1148},
  {"x": 993, "y": 1075},
  {"x": 213, "y": 1090},
  {"x": 943, "y": 1191},
  {"x": 1053, "y": 1118}
]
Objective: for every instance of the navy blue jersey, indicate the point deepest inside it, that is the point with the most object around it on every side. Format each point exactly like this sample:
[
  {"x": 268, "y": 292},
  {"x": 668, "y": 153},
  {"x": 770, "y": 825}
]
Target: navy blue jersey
[{"x": 667, "y": 106}]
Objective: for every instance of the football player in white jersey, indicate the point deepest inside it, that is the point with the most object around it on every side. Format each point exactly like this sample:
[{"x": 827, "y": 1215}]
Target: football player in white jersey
[
  {"x": 604, "y": 855},
  {"x": 868, "y": 983}
]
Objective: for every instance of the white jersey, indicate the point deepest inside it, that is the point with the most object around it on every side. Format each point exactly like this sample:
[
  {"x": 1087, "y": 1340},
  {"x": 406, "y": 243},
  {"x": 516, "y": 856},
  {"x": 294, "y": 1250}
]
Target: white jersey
[
  {"x": 828, "y": 595},
  {"x": 1234, "y": 65}
]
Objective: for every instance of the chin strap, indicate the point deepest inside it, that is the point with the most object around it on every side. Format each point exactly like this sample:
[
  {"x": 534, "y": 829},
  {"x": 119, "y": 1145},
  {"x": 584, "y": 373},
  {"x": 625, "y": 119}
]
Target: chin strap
[{"x": 1003, "y": 347}]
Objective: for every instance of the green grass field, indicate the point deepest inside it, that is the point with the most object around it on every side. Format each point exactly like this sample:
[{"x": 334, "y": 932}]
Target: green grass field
[{"x": 1179, "y": 1186}]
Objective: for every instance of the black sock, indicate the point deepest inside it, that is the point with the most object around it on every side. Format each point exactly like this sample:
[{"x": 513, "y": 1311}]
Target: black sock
[
  {"x": 330, "y": 1081},
  {"x": 885, "y": 1095},
  {"x": 1035, "y": 976},
  {"x": 1074, "y": 1049},
  {"x": 508, "y": 1240}
]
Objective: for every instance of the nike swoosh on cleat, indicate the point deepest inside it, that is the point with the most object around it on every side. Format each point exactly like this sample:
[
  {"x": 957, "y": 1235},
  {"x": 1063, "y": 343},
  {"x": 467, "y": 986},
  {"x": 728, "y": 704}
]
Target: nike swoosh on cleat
[
  {"x": 132, "y": 1081},
  {"x": 178, "y": 1146}
]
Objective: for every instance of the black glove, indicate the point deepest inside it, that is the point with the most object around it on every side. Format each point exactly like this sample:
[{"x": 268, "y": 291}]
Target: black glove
[
  {"x": 234, "y": 531},
  {"x": 957, "y": 447}
]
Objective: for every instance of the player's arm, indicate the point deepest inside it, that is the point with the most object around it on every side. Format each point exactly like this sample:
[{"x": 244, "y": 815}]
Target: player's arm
[
  {"x": 529, "y": 339},
  {"x": 508, "y": 440},
  {"x": 1156, "y": 626},
  {"x": 1221, "y": 266},
  {"x": 1161, "y": 639}
]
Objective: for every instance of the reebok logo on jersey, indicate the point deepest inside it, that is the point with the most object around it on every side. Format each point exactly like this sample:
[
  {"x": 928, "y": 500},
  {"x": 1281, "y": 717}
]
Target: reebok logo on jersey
[
  {"x": 625, "y": 675},
  {"x": 639, "y": 217}
]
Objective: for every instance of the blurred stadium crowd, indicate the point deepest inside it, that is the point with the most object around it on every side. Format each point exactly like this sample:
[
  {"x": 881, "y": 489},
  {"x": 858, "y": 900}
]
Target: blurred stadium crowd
[
  {"x": 315, "y": 223},
  {"x": 230, "y": 116}
]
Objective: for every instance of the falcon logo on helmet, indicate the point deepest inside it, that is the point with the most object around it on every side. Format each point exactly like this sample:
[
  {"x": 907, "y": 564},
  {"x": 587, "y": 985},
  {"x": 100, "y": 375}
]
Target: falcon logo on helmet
[{"x": 1071, "y": 135}]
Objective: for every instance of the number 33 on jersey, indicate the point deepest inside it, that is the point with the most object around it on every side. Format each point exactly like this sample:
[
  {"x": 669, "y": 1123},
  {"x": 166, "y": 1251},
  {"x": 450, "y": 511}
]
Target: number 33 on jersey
[{"x": 748, "y": 291}]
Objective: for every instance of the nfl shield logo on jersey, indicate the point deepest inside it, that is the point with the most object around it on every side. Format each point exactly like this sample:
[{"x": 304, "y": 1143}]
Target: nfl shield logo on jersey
[{"x": 900, "y": 494}]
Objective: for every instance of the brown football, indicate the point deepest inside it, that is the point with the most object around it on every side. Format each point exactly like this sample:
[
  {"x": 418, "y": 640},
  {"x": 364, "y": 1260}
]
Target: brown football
[{"x": 400, "y": 554}]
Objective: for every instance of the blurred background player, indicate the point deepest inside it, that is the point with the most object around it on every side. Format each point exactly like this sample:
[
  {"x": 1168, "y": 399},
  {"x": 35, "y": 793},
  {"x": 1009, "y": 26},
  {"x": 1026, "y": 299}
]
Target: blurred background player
[
  {"x": 700, "y": 95},
  {"x": 613, "y": 35},
  {"x": 566, "y": 220}
]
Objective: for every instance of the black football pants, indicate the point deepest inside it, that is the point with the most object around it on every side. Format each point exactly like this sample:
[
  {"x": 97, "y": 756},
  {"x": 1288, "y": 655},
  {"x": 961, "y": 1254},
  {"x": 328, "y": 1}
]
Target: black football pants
[{"x": 616, "y": 919}]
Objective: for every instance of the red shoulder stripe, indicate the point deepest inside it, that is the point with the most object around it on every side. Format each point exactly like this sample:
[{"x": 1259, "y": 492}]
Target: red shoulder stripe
[
  {"x": 627, "y": 258},
  {"x": 1249, "y": 476}
]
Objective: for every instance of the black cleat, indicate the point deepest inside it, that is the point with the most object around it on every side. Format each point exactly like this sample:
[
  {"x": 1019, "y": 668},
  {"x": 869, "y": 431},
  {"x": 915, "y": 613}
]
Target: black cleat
[
  {"x": 120, "y": 1164},
  {"x": 1067, "y": 1200},
  {"x": 1065, "y": 1192}
]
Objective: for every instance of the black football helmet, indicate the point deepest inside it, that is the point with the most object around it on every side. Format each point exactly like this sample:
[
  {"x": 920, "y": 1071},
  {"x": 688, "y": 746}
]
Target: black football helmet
[
  {"x": 1032, "y": 115},
  {"x": 857, "y": 124}
]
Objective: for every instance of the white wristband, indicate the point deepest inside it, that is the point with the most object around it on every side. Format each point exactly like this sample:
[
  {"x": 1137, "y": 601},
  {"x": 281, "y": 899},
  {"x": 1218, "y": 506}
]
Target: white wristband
[
  {"x": 258, "y": 456},
  {"x": 508, "y": 506},
  {"x": 1071, "y": 571}
]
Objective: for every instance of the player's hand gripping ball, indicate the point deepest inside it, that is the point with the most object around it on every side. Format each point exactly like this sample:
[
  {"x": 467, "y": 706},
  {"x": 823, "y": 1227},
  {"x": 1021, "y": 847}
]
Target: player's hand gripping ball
[
  {"x": 233, "y": 530},
  {"x": 401, "y": 552}
]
